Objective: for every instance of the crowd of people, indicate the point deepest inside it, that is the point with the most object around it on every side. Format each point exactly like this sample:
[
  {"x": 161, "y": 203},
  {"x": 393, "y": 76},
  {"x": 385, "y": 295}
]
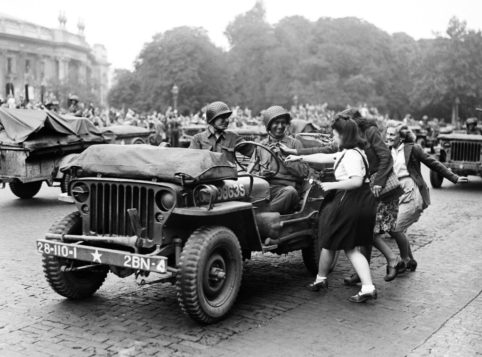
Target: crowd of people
[{"x": 378, "y": 186}]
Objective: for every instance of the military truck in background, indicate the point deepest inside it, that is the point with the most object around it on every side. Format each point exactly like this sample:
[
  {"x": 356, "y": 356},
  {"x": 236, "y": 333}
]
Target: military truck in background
[
  {"x": 462, "y": 153},
  {"x": 35, "y": 143}
]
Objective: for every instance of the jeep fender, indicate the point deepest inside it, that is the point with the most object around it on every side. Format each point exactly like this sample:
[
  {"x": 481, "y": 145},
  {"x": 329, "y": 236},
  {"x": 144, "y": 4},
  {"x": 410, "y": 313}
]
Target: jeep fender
[{"x": 235, "y": 215}]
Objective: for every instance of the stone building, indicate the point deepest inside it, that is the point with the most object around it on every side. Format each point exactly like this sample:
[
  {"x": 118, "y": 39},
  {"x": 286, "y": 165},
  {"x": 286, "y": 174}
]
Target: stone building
[{"x": 33, "y": 56}]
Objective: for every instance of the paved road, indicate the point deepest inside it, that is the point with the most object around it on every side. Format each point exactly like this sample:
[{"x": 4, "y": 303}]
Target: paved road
[{"x": 434, "y": 311}]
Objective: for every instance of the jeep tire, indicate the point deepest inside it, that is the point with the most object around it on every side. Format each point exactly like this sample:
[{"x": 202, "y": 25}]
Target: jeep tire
[
  {"x": 25, "y": 190},
  {"x": 436, "y": 179},
  {"x": 74, "y": 285},
  {"x": 210, "y": 273}
]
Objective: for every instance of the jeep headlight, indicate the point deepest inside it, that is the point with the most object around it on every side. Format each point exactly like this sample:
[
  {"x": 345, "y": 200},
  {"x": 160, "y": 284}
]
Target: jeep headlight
[
  {"x": 80, "y": 192},
  {"x": 165, "y": 200}
]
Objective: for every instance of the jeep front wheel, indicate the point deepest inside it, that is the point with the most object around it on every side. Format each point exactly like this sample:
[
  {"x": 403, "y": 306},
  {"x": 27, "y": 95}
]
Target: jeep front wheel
[
  {"x": 436, "y": 179},
  {"x": 210, "y": 273},
  {"x": 72, "y": 284},
  {"x": 25, "y": 190}
]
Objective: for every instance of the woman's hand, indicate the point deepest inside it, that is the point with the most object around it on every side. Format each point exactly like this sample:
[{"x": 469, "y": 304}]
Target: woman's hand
[
  {"x": 327, "y": 186},
  {"x": 376, "y": 190},
  {"x": 286, "y": 150},
  {"x": 462, "y": 179},
  {"x": 293, "y": 158}
]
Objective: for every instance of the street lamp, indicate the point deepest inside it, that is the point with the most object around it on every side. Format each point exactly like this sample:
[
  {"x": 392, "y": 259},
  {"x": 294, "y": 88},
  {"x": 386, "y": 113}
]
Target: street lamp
[{"x": 175, "y": 92}]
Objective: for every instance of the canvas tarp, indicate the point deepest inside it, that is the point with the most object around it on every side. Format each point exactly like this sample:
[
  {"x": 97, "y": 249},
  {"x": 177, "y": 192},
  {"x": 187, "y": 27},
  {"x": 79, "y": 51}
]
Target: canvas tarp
[
  {"x": 18, "y": 126},
  {"x": 146, "y": 162}
]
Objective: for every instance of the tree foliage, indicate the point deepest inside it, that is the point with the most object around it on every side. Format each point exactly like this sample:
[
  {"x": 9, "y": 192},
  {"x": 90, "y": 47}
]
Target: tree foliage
[{"x": 337, "y": 61}]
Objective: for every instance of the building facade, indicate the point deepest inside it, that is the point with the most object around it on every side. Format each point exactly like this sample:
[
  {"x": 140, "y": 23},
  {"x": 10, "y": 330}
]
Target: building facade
[{"x": 32, "y": 57}]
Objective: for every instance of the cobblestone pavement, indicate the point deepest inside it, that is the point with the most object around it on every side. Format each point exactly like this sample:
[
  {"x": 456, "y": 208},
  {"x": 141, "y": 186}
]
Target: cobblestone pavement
[{"x": 434, "y": 311}]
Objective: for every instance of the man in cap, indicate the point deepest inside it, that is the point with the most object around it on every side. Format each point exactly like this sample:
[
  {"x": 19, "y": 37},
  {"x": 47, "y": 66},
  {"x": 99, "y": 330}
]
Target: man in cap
[
  {"x": 216, "y": 138},
  {"x": 471, "y": 124},
  {"x": 284, "y": 187}
]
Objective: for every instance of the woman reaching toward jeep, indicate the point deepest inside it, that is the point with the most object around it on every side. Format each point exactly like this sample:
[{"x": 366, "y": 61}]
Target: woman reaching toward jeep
[{"x": 349, "y": 208}]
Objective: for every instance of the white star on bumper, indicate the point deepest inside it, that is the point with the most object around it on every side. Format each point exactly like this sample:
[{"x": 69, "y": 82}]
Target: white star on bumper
[{"x": 96, "y": 256}]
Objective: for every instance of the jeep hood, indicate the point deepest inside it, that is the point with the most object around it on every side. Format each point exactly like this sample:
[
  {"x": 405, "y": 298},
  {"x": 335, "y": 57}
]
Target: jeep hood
[{"x": 145, "y": 162}]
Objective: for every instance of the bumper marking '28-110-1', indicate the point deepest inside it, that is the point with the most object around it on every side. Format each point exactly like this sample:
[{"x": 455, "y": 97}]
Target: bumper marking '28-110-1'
[{"x": 102, "y": 256}]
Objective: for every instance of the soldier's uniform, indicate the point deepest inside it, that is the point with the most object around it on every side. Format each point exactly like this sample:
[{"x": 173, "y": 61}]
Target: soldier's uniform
[
  {"x": 215, "y": 140},
  {"x": 288, "y": 182}
]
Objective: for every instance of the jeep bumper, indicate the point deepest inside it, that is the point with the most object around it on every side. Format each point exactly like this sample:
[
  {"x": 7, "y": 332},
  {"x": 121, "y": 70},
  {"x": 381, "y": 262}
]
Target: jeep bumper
[{"x": 75, "y": 251}]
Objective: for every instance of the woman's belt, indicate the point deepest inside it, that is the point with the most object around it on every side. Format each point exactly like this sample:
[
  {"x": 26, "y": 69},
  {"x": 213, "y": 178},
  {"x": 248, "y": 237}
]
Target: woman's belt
[{"x": 404, "y": 177}]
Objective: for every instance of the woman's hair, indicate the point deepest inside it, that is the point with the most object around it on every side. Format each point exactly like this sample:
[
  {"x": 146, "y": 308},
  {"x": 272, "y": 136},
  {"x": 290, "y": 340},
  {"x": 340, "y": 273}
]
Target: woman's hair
[
  {"x": 406, "y": 135},
  {"x": 349, "y": 133},
  {"x": 362, "y": 122}
]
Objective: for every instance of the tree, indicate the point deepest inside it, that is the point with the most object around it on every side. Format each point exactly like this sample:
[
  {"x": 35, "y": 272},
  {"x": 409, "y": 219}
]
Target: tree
[
  {"x": 450, "y": 68},
  {"x": 125, "y": 91},
  {"x": 186, "y": 57}
]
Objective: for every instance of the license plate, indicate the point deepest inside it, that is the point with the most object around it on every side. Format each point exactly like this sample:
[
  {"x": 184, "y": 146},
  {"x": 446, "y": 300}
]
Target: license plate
[{"x": 156, "y": 264}]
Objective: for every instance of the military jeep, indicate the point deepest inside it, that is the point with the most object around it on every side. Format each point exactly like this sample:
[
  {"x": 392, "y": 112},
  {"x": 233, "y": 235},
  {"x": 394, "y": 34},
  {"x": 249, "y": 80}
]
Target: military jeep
[
  {"x": 189, "y": 217},
  {"x": 462, "y": 153}
]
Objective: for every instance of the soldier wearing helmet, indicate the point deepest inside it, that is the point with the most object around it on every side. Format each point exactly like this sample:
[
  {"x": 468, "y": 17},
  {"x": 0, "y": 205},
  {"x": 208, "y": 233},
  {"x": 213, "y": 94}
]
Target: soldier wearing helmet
[
  {"x": 216, "y": 138},
  {"x": 471, "y": 124},
  {"x": 74, "y": 107},
  {"x": 288, "y": 182}
]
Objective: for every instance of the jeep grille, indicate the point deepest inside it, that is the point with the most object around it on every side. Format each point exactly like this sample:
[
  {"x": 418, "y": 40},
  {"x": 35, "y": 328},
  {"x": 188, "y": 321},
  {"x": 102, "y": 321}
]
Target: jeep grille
[
  {"x": 465, "y": 151},
  {"x": 109, "y": 203}
]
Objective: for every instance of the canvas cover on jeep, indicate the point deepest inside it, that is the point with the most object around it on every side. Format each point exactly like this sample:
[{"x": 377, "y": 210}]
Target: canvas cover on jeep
[
  {"x": 36, "y": 129},
  {"x": 145, "y": 162}
]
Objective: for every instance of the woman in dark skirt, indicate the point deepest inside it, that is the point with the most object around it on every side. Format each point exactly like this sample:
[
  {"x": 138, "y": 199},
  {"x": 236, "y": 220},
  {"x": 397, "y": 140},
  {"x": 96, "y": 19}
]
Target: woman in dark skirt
[{"x": 347, "y": 218}]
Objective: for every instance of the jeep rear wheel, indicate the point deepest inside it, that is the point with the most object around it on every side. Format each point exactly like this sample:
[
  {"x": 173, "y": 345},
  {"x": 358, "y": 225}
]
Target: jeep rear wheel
[
  {"x": 72, "y": 284},
  {"x": 210, "y": 273},
  {"x": 25, "y": 190},
  {"x": 436, "y": 179}
]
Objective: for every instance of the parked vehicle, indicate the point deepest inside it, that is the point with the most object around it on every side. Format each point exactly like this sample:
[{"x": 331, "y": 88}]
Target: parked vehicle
[
  {"x": 33, "y": 144},
  {"x": 187, "y": 133},
  {"x": 127, "y": 134},
  {"x": 459, "y": 152},
  {"x": 189, "y": 219}
]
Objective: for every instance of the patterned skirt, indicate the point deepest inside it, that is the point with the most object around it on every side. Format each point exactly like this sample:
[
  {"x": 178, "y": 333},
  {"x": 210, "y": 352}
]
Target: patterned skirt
[{"x": 386, "y": 219}]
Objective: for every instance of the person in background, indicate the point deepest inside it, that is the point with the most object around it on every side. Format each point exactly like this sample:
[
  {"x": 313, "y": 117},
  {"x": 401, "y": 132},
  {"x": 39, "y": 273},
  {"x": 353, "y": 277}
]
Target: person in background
[
  {"x": 347, "y": 219},
  {"x": 407, "y": 157},
  {"x": 471, "y": 125}
]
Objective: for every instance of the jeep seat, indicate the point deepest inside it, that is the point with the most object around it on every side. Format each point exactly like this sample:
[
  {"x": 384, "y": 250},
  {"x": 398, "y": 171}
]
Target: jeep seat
[{"x": 260, "y": 190}]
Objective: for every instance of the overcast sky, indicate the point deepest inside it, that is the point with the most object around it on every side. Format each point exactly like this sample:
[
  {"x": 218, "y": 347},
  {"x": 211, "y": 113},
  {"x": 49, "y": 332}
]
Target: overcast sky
[{"x": 123, "y": 26}]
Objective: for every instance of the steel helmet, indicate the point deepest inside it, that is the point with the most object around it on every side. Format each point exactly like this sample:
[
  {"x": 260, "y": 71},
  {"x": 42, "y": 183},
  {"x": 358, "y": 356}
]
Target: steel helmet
[
  {"x": 471, "y": 121},
  {"x": 275, "y": 112},
  {"x": 216, "y": 110}
]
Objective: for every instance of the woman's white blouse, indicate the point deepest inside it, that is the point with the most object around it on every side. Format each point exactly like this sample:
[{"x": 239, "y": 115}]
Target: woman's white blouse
[{"x": 351, "y": 164}]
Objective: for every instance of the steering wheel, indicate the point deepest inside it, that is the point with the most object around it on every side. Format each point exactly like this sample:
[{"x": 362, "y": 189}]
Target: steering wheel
[{"x": 261, "y": 158}]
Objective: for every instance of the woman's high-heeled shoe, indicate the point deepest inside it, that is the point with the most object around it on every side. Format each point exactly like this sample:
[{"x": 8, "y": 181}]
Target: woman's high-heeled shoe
[
  {"x": 319, "y": 285},
  {"x": 391, "y": 273},
  {"x": 412, "y": 265},
  {"x": 401, "y": 267},
  {"x": 360, "y": 297}
]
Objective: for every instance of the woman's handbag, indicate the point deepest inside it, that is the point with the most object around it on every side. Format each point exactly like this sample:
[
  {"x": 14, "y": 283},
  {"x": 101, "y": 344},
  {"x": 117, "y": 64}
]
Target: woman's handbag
[{"x": 392, "y": 188}]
